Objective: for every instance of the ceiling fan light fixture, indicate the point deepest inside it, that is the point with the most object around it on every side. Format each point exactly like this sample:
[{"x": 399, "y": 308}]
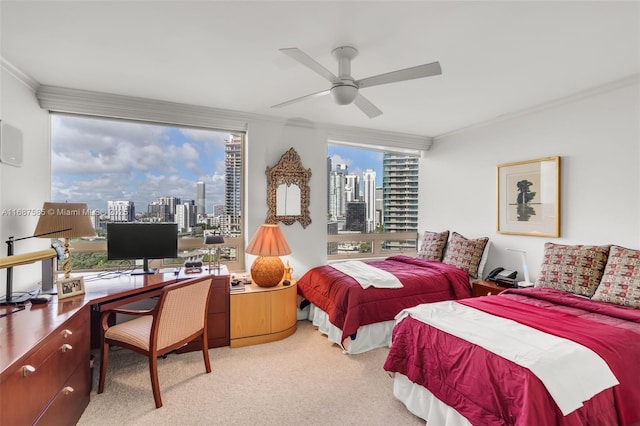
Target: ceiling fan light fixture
[{"x": 344, "y": 94}]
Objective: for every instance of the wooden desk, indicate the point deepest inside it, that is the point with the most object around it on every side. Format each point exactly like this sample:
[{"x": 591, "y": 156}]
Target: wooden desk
[
  {"x": 45, "y": 349},
  {"x": 110, "y": 290}
]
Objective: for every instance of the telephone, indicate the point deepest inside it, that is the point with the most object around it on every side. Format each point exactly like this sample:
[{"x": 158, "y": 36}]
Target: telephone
[{"x": 501, "y": 273}]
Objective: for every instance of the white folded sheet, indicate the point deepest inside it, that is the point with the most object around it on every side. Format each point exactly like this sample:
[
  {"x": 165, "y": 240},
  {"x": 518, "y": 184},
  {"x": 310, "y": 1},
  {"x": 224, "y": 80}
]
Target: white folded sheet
[{"x": 367, "y": 275}]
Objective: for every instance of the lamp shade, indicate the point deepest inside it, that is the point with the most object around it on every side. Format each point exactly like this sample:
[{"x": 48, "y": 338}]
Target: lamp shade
[
  {"x": 268, "y": 241},
  {"x": 64, "y": 220},
  {"x": 213, "y": 239}
]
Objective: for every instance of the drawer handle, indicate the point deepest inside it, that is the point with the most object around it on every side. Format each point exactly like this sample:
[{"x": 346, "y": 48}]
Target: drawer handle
[
  {"x": 66, "y": 333},
  {"x": 28, "y": 369},
  {"x": 66, "y": 347},
  {"x": 67, "y": 390},
  {"x": 489, "y": 293}
]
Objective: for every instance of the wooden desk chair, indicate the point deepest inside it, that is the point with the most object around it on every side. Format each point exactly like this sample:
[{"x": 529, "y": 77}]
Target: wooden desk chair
[{"x": 179, "y": 317}]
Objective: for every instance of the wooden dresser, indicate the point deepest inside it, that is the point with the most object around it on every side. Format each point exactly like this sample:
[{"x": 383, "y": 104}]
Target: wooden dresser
[{"x": 45, "y": 375}]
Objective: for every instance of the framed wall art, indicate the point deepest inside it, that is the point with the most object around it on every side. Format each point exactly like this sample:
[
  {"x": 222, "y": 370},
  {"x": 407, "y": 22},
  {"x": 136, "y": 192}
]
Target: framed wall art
[{"x": 528, "y": 195}]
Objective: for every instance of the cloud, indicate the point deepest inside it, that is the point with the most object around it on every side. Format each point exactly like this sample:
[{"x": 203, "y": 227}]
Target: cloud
[{"x": 95, "y": 160}]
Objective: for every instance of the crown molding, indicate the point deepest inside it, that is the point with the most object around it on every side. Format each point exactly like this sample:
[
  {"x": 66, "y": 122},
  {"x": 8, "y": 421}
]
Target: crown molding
[
  {"x": 85, "y": 102},
  {"x": 19, "y": 75},
  {"x": 388, "y": 141},
  {"x": 630, "y": 80}
]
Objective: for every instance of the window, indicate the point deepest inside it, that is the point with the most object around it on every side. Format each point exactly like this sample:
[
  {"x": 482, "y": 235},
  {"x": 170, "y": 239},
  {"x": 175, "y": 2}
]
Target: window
[
  {"x": 370, "y": 195},
  {"x": 128, "y": 171}
]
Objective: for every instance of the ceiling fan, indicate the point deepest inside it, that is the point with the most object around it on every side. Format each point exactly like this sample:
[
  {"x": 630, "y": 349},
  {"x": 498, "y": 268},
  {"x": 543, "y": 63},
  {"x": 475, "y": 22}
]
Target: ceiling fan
[{"x": 344, "y": 88}]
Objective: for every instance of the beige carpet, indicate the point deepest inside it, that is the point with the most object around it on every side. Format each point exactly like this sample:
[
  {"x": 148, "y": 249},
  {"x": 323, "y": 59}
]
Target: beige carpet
[{"x": 301, "y": 380}]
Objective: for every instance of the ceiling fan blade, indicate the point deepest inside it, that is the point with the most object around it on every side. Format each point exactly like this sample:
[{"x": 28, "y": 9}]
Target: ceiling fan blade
[
  {"x": 309, "y": 62},
  {"x": 426, "y": 70},
  {"x": 366, "y": 106},
  {"x": 302, "y": 98}
]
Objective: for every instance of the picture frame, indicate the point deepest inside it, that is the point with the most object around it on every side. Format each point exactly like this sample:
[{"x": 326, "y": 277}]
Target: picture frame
[
  {"x": 69, "y": 287},
  {"x": 528, "y": 197}
]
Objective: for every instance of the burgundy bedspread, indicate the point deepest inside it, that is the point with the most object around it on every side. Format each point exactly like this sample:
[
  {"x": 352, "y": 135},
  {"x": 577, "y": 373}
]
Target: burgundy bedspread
[
  {"x": 349, "y": 306},
  {"x": 490, "y": 390}
]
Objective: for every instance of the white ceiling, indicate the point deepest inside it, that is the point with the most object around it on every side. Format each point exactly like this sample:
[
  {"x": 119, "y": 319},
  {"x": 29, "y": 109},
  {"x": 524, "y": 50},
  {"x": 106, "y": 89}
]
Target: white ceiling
[{"x": 497, "y": 58}]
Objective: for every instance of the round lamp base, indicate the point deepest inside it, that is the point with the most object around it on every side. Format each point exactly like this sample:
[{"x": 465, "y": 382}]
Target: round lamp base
[{"x": 267, "y": 271}]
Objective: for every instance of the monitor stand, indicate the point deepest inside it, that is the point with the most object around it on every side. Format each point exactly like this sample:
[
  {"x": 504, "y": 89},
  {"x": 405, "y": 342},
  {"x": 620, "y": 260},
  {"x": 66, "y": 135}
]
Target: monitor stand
[{"x": 145, "y": 269}]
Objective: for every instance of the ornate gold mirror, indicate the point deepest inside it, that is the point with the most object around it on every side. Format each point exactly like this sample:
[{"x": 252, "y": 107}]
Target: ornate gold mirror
[{"x": 288, "y": 190}]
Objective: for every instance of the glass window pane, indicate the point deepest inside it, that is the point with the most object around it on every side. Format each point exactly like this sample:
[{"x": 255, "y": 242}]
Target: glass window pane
[
  {"x": 128, "y": 171},
  {"x": 371, "y": 192}
]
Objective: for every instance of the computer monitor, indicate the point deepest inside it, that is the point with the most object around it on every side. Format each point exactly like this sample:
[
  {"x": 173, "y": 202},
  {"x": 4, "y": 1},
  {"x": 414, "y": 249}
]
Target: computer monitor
[{"x": 139, "y": 240}]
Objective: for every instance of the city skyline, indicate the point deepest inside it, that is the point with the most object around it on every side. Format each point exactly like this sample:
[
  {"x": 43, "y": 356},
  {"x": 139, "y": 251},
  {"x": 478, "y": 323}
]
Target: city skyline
[{"x": 96, "y": 160}]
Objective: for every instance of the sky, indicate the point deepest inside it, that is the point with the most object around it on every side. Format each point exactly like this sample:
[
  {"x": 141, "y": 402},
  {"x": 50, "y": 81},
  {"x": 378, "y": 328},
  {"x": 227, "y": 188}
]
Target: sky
[
  {"x": 357, "y": 159},
  {"x": 95, "y": 160}
]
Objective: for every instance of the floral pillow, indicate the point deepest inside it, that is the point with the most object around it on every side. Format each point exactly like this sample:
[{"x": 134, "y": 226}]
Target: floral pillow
[
  {"x": 574, "y": 269},
  {"x": 432, "y": 245},
  {"x": 621, "y": 279},
  {"x": 464, "y": 253}
]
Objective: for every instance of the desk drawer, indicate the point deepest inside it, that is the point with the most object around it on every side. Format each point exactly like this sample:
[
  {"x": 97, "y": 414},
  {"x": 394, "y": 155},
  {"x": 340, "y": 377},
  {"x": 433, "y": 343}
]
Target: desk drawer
[
  {"x": 69, "y": 403},
  {"x": 40, "y": 377}
]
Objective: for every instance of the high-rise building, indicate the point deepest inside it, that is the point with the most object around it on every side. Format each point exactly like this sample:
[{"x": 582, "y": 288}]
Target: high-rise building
[
  {"x": 157, "y": 212},
  {"x": 163, "y": 209},
  {"x": 352, "y": 187},
  {"x": 369, "y": 190},
  {"x": 121, "y": 211},
  {"x": 329, "y": 169},
  {"x": 400, "y": 193},
  {"x": 233, "y": 176},
  {"x": 379, "y": 221},
  {"x": 356, "y": 216},
  {"x": 218, "y": 210},
  {"x": 336, "y": 195},
  {"x": 186, "y": 215},
  {"x": 200, "y": 196}
]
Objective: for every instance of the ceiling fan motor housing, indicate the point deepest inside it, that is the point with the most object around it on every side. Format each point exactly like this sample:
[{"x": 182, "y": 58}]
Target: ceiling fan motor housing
[{"x": 344, "y": 92}]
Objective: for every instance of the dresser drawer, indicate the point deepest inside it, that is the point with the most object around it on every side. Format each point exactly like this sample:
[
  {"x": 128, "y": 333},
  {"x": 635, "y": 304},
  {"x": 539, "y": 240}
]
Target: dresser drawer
[{"x": 34, "y": 382}]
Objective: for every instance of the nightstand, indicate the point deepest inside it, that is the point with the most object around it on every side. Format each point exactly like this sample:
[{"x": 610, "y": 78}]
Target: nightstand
[
  {"x": 261, "y": 315},
  {"x": 485, "y": 288}
]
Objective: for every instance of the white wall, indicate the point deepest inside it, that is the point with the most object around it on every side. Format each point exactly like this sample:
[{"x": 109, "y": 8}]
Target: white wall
[
  {"x": 24, "y": 187},
  {"x": 598, "y": 139},
  {"x": 266, "y": 142}
]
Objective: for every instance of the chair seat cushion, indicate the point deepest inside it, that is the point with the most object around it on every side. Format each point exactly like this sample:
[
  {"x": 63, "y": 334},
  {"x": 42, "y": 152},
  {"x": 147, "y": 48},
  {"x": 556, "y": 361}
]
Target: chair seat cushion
[{"x": 135, "y": 332}]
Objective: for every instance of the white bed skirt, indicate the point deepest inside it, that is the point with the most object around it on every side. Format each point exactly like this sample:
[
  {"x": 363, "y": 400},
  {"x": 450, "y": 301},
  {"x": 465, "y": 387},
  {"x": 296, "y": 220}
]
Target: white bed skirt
[
  {"x": 423, "y": 404},
  {"x": 368, "y": 337}
]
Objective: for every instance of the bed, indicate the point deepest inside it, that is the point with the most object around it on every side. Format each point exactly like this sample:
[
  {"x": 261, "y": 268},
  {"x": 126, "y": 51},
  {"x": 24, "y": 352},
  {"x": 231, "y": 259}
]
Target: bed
[
  {"x": 349, "y": 313},
  {"x": 564, "y": 352},
  {"x": 360, "y": 319}
]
